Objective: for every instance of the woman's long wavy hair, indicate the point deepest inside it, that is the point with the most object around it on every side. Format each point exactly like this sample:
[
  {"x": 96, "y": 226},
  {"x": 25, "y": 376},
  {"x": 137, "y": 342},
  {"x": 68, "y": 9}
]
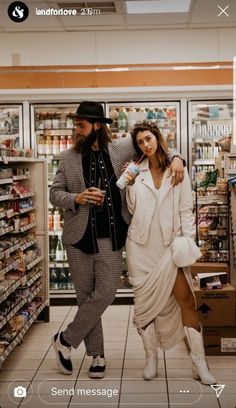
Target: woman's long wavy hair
[{"x": 162, "y": 147}]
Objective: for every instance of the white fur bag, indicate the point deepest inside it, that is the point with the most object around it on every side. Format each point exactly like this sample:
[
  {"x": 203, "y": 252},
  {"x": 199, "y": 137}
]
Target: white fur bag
[{"x": 185, "y": 251}]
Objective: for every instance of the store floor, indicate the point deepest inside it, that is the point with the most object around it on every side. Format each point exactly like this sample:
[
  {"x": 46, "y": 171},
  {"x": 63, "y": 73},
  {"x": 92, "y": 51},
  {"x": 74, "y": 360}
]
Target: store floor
[{"x": 32, "y": 364}]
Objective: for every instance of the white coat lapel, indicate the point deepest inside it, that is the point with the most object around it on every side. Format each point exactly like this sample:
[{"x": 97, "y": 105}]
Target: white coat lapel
[
  {"x": 165, "y": 186},
  {"x": 145, "y": 176}
]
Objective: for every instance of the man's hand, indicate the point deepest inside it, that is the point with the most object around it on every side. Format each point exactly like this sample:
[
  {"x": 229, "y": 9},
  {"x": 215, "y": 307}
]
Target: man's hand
[
  {"x": 176, "y": 171},
  {"x": 91, "y": 195}
]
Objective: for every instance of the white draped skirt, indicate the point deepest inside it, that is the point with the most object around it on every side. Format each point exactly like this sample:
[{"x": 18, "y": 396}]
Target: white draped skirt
[{"x": 152, "y": 273}]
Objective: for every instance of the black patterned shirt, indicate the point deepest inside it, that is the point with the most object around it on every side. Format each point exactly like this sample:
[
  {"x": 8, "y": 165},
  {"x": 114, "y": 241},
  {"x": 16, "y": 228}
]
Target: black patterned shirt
[{"x": 105, "y": 222}]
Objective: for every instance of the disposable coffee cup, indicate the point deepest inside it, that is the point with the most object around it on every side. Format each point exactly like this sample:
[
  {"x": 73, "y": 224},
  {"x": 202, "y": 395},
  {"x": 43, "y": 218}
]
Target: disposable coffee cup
[{"x": 131, "y": 171}]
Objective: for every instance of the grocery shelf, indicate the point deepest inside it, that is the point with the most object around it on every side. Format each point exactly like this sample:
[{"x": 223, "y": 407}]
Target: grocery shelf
[
  {"x": 19, "y": 282},
  {"x": 19, "y": 306},
  {"x": 21, "y": 334}
]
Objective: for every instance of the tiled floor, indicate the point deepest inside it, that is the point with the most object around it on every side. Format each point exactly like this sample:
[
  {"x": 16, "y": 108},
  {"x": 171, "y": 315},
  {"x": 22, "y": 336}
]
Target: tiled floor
[{"x": 32, "y": 364}]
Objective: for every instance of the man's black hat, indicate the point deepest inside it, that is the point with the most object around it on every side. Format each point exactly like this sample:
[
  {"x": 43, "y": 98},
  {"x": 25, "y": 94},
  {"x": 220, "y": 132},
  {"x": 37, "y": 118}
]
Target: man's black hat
[{"x": 92, "y": 110}]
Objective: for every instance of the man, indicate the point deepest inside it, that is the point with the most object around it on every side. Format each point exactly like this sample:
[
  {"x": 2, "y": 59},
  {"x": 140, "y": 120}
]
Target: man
[{"x": 96, "y": 220}]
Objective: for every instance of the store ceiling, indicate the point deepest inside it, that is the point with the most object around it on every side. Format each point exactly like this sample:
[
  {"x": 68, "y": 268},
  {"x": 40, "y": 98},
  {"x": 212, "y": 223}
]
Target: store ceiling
[{"x": 112, "y": 15}]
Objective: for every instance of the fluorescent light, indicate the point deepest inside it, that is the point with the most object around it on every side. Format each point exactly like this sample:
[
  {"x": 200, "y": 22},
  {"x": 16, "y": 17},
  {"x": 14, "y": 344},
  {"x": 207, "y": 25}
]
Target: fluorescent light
[{"x": 157, "y": 6}]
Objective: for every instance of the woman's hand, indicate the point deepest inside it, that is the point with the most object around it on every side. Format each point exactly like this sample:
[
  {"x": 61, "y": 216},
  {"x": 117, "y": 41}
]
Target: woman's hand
[
  {"x": 91, "y": 195},
  {"x": 176, "y": 171},
  {"x": 131, "y": 179}
]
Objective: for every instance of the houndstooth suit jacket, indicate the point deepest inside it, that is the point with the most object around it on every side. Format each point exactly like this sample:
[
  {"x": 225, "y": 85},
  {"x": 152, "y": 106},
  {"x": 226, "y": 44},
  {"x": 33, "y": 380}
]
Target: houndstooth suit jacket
[{"x": 69, "y": 182}]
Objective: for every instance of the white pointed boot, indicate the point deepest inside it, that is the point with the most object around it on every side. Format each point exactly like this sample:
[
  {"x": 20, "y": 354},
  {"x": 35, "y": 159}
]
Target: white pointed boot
[
  {"x": 150, "y": 346},
  {"x": 199, "y": 367}
]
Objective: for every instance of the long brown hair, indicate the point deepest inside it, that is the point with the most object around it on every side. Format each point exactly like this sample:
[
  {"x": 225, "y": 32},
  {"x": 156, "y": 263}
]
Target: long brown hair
[{"x": 162, "y": 147}]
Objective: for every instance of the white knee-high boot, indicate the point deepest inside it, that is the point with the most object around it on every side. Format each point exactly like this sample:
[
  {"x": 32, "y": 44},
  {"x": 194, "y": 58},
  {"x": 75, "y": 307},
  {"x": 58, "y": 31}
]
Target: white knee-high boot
[
  {"x": 200, "y": 368},
  {"x": 150, "y": 346}
]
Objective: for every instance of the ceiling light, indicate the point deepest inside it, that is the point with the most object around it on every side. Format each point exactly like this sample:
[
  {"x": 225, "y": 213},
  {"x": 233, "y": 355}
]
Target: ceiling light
[{"x": 157, "y": 6}]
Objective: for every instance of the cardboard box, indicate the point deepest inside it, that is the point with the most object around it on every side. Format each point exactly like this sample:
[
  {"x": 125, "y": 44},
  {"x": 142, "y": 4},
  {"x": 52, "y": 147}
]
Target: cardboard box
[
  {"x": 202, "y": 267},
  {"x": 220, "y": 341},
  {"x": 203, "y": 278},
  {"x": 216, "y": 307}
]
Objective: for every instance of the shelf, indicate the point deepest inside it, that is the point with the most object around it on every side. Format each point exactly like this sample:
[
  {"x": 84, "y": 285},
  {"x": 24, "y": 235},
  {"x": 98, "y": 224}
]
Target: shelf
[
  {"x": 8, "y": 251},
  {"x": 6, "y": 230},
  {"x": 219, "y": 199},
  {"x": 19, "y": 337},
  {"x": 18, "y": 283},
  {"x": 21, "y": 177},
  {"x": 55, "y": 233},
  {"x": 204, "y": 162},
  {"x": 19, "y": 306},
  {"x": 10, "y": 159},
  {"x": 14, "y": 178},
  {"x": 11, "y": 197},
  {"x": 25, "y": 228},
  {"x": 25, "y": 210},
  {"x": 6, "y": 181},
  {"x": 34, "y": 262},
  {"x": 13, "y": 265},
  {"x": 199, "y": 267},
  {"x": 6, "y": 197},
  {"x": 28, "y": 244},
  {"x": 61, "y": 264}
]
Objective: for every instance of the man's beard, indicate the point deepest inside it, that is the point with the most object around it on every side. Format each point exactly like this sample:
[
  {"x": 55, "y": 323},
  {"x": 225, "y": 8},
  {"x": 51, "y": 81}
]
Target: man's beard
[{"x": 83, "y": 145}]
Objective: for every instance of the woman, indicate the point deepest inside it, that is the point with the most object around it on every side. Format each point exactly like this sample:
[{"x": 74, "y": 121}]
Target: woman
[{"x": 164, "y": 310}]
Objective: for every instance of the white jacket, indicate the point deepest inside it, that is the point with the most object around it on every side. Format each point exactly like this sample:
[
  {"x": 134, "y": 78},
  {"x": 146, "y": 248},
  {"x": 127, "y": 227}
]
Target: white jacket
[{"x": 175, "y": 205}]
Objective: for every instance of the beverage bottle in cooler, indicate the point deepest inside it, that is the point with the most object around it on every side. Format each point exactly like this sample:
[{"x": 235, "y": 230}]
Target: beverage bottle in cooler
[
  {"x": 53, "y": 278},
  {"x": 48, "y": 146},
  {"x": 47, "y": 121},
  {"x": 69, "y": 121},
  {"x": 41, "y": 146},
  {"x": 63, "y": 279},
  {"x": 65, "y": 255},
  {"x": 131, "y": 118},
  {"x": 63, "y": 143},
  {"x": 55, "y": 146},
  {"x": 151, "y": 116},
  {"x": 54, "y": 167},
  {"x": 40, "y": 121},
  {"x": 122, "y": 119},
  {"x": 59, "y": 250},
  {"x": 52, "y": 247},
  {"x": 57, "y": 221},
  {"x": 50, "y": 220},
  {"x": 142, "y": 115},
  {"x": 70, "y": 142},
  {"x": 69, "y": 280},
  {"x": 114, "y": 116},
  {"x": 56, "y": 120}
]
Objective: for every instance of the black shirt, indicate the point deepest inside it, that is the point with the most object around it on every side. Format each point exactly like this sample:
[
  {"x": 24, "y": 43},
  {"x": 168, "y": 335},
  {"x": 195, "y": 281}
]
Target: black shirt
[{"x": 105, "y": 222}]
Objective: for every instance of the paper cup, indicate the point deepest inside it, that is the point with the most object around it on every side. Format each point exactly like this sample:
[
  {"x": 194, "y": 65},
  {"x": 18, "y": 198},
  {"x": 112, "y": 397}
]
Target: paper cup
[{"x": 131, "y": 171}]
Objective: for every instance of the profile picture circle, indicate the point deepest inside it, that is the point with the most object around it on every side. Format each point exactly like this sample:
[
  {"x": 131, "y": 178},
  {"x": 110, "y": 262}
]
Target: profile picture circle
[{"x": 18, "y": 11}]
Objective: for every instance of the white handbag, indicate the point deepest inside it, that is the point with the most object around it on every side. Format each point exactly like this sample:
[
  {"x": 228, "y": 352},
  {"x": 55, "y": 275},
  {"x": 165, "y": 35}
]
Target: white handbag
[{"x": 185, "y": 251}]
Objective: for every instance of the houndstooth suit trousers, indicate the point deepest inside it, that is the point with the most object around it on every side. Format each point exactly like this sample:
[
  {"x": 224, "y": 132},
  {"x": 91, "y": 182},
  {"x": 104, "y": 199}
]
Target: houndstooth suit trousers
[{"x": 96, "y": 278}]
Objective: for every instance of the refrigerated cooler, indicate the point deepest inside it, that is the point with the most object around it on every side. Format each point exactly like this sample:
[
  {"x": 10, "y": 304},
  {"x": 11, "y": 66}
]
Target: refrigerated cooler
[
  {"x": 210, "y": 129},
  {"x": 11, "y": 128},
  {"x": 165, "y": 114},
  {"x": 210, "y": 122},
  {"x": 52, "y": 133}
]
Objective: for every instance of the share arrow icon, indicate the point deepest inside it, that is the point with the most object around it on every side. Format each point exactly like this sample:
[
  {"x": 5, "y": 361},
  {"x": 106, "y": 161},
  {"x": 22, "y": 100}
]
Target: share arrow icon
[{"x": 218, "y": 389}]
